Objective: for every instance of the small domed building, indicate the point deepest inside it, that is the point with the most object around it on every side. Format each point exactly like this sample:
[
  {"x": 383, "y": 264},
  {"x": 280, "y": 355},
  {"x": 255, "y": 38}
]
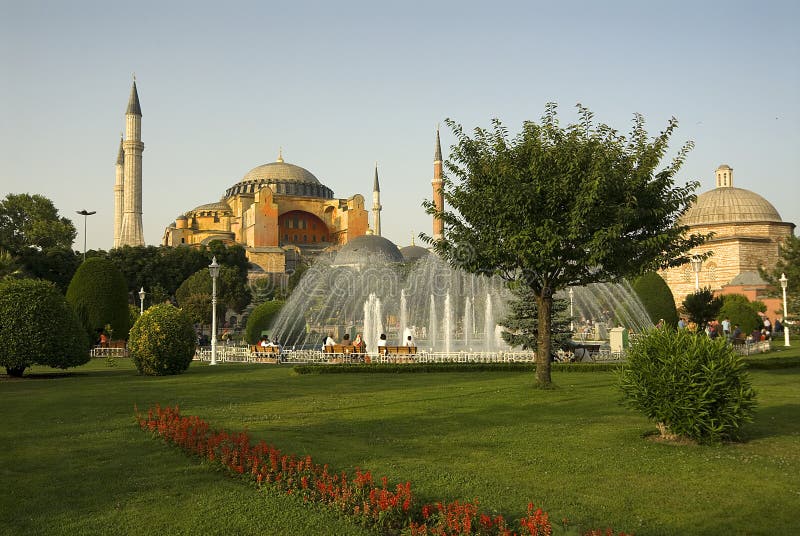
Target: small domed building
[
  {"x": 362, "y": 250},
  {"x": 275, "y": 211},
  {"x": 747, "y": 233}
]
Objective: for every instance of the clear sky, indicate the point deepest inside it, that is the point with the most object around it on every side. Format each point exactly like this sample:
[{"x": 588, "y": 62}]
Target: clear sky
[{"x": 341, "y": 85}]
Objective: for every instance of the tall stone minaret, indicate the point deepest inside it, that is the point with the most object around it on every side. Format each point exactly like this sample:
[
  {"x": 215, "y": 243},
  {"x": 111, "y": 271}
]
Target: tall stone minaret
[
  {"x": 438, "y": 193},
  {"x": 119, "y": 186},
  {"x": 376, "y": 204},
  {"x": 131, "y": 233}
]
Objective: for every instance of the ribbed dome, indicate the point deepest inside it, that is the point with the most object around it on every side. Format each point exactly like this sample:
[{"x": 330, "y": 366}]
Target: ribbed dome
[
  {"x": 364, "y": 248},
  {"x": 282, "y": 171},
  {"x": 413, "y": 253},
  {"x": 219, "y": 206},
  {"x": 730, "y": 205}
]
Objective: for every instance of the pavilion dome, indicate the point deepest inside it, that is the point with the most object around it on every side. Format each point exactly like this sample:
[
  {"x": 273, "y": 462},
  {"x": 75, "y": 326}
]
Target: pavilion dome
[
  {"x": 218, "y": 207},
  {"x": 730, "y": 205},
  {"x": 413, "y": 253},
  {"x": 362, "y": 249}
]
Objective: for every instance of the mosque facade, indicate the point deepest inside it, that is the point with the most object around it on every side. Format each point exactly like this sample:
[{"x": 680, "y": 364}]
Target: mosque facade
[{"x": 747, "y": 233}]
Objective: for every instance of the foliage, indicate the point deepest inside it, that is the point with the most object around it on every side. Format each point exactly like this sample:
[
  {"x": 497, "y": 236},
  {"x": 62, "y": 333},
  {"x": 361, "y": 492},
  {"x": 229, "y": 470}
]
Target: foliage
[
  {"x": 198, "y": 308},
  {"x": 260, "y": 319},
  {"x": 232, "y": 292},
  {"x": 556, "y": 207},
  {"x": 32, "y": 221},
  {"x": 54, "y": 264},
  {"x": 162, "y": 342},
  {"x": 522, "y": 326},
  {"x": 299, "y": 271},
  {"x": 689, "y": 385},
  {"x": 37, "y": 326},
  {"x": 98, "y": 294},
  {"x": 657, "y": 298},
  {"x": 789, "y": 265},
  {"x": 740, "y": 311},
  {"x": 702, "y": 306}
]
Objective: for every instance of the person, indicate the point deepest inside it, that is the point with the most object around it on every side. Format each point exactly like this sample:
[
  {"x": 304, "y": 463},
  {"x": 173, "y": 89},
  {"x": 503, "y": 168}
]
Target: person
[
  {"x": 778, "y": 327},
  {"x": 328, "y": 342},
  {"x": 755, "y": 336},
  {"x": 660, "y": 324},
  {"x": 359, "y": 344},
  {"x": 767, "y": 325},
  {"x": 263, "y": 342},
  {"x": 681, "y": 323},
  {"x": 346, "y": 340},
  {"x": 409, "y": 341},
  {"x": 737, "y": 332},
  {"x": 382, "y": 340},
  {"x": 103, "y": 339},
  {"x": 726, "y": 327}
]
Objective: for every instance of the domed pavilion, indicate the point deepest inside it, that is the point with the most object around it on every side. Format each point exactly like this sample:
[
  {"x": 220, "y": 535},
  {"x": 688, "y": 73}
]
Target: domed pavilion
[
  {"x": 747, "y": 233},
  {"x": 277, "y": 212}
]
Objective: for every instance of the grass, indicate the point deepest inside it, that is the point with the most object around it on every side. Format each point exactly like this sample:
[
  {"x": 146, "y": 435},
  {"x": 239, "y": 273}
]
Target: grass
[{"x": 77, "y": 464}]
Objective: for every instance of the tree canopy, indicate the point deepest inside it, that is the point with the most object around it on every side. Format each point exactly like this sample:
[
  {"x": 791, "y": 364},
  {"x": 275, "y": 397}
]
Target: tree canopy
[
  {"x": 557, "y": 206},
  {"x": 789, "y": 265},
  {"x": 32, "y": 221}
]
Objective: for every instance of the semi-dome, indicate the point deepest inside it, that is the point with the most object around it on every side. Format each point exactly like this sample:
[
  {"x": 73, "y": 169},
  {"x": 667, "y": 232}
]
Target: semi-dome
[
  {"x": 283, "y": 178},
  {"x": 219, "y": 206},
  {"x": 362, "y": 249},
  {"x": 730, "y": 205}
]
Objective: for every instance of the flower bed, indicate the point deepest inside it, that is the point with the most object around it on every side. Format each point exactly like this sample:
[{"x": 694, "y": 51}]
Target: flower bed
[{"x": 390, "y": 509}]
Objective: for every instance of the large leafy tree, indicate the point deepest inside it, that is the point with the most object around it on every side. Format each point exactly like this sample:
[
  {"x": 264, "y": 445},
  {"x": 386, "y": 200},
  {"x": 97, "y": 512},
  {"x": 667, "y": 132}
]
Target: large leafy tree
[
  {"x": 789, "y": 265},
  {"x": 32, "y": 221},
  {"x": 559, "y": 206}
]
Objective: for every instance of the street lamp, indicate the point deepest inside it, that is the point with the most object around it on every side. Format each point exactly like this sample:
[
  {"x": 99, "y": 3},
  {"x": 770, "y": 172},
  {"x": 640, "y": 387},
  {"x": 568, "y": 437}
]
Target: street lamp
[
  {"x": 784, "y": 284},
  {"x": 697, "y": 265},
  {"x": 85, "y": 213},
  {"x": 141, "y": 301},
  {"x": 571, "y": 314},
  {"x": 213, "y": 269}
]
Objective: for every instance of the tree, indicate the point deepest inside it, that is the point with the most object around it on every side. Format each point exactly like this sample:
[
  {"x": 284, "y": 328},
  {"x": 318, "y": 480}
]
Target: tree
[
  {"x": 55, "y": 264},
  {"x": 162, "y": 341},
  {"x": 740, "y": 311},
  {"x": 231, "y": 291},
  {"x": 260, "y": 319},
  {"x": 38, "y": 327},
  {"x": 556, "y": 207},
  {"x": 522, "y": 326},
  {"x": 99, "y": 295},
  {"x": 657, "y": 298},
  {"x": 32, "y": 221},
  {"x": 788, "y": 264},
  {"x": 701, "y": 306}
]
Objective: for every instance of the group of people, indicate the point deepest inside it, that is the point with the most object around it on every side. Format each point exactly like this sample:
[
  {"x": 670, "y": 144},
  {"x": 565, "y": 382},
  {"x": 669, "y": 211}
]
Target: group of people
[
  {"x": 359, "y": 344},
  {"x": 731, "y": 332},
  {"x": 264, "y": 342}
]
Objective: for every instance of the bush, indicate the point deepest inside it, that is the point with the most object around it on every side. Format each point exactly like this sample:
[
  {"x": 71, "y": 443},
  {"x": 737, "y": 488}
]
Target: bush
[
  {"x": 38, "y": 327},
  {"x": 740, "y": 311},
  {"x": 162, "y": 342},
  {"x": 657, "y": 298},
  {"x": 99, "y": 294},
  {"x": 260, "y": 319},
  {"x": 689, "y": 385}
]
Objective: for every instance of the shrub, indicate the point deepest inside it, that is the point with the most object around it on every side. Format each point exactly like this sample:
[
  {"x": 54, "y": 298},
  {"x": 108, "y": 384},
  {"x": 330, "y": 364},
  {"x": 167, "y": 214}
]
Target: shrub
[
  {"x": 657, "y": 298},
  {"x": 38, "y": 327},
  {"x": 162, "y": 342},
  {"x": 689, "y": 385},
  {"x": 702, "y": 306},
  {"x": 260, "y": 320},
  {"x": 99, "y": 295},
  {"x": 739, "y": 310}
]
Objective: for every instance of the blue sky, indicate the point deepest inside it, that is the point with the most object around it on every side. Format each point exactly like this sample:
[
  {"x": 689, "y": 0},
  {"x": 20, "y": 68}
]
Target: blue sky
[{"x": 341, "y": 85}]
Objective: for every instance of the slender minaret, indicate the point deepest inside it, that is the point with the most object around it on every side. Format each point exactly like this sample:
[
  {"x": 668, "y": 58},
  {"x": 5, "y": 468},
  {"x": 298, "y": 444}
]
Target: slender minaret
[
  {"x": 438, "y": 193},
  {"x": 131, "y": 233},
  {"x": 119, "y": 186},
  {"x": 376, "y": 204}
]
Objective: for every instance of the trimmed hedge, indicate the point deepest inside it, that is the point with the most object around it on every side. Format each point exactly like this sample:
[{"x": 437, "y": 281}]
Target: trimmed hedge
[
  {"x": 260, "y": 319},
  {"x": 400, "y": 368},
  {"x": 38, "y": 327},
  {"x": 99, "y": 294},
  {"x": 657, "y": 298},
  {"x": 162, "y": 341}
]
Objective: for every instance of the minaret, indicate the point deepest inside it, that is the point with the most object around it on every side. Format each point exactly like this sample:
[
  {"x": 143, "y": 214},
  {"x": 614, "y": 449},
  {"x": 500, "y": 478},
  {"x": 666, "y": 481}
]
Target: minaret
[
  {"x": 438, "y": 193},
  {"x": 119, "y": 206},
  {"x": 376, "y": 204},
  {"x": 131, "y": 233}
]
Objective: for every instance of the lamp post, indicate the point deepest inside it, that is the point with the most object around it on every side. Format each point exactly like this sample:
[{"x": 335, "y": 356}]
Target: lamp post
[
  {"x": 784, "y": 284},
  {"x": 213, "y": 269},
  {"x": 697, "y": 265},
  {"x": 571, "y": 314},
  {"x": 85, "y": 213},
  {"x": 141, "y": 301}
]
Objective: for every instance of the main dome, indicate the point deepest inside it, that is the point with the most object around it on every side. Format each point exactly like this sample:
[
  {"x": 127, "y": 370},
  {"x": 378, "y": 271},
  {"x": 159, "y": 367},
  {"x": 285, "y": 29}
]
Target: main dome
[
  {"x": 730, "y": 205},
  {"x": 283, "y": 178}
]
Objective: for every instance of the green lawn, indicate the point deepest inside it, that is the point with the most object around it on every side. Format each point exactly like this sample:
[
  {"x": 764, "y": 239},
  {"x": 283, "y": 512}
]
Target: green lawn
[{"x": 73, "y": 462}]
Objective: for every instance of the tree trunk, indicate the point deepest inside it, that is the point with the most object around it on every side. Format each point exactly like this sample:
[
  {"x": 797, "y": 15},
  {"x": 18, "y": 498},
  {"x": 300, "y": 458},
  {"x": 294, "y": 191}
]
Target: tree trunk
[{"x": 545, "y": 308}]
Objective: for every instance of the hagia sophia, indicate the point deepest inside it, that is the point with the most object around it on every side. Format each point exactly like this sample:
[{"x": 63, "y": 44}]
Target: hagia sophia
[{"x": 280, "y": 212}]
